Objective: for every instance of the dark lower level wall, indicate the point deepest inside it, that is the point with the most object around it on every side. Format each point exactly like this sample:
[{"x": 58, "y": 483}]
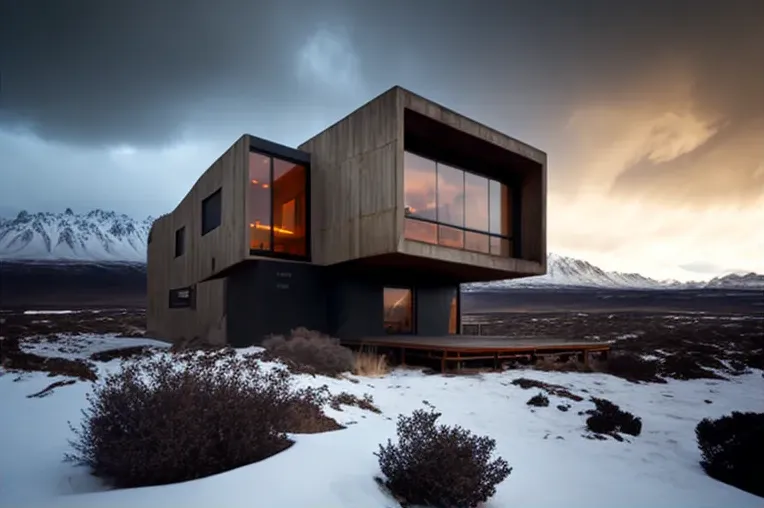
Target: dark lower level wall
[{"x": 273, "y": 297}]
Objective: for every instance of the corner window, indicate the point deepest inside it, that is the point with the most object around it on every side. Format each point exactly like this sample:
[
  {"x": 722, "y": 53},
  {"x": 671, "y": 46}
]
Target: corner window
[
  {"x": 277, "y": 207},
  {"x": 180, "y": 241},
  {"x": 211, "y": 212}
]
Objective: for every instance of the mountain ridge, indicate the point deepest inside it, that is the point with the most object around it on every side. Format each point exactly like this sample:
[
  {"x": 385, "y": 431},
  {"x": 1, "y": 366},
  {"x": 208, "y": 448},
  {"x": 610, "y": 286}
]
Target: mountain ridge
[{"x": 100, "y": 236}]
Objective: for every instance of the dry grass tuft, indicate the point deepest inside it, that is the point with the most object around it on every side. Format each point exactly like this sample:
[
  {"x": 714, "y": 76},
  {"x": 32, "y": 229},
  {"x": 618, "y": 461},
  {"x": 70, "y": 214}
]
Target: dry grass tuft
[{"x": 370, "y": 364}]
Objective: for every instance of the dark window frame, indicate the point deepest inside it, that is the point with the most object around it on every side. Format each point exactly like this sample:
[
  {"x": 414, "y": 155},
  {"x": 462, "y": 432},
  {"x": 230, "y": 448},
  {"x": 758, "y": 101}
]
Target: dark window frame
[
  {"x": 513, "y": 239},
  {"x": 206, "y": 226},
  {"x": 270, "y": 253},
  {"x": 180, "y": 241},
  {"x": 178, "y": 299},
  {"x": 412, "y": 291}
]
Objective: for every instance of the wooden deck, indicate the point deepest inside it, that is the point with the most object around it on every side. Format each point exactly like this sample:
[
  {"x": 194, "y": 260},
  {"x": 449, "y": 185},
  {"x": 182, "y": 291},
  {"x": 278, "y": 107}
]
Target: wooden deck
[{"x": 461, "y": 348}]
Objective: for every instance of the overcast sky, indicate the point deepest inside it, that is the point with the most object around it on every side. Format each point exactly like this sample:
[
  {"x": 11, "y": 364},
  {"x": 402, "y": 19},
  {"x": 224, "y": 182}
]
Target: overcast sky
[{"x": 651, "y": 112}]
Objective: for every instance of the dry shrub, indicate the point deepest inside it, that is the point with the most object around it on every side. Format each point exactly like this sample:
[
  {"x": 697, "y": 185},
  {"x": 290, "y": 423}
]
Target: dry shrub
[
  {"x": 123, "y": 353},
  {"x": 309, "y": 351},
  {"x": 552, "y": 389},
  {"x": 370, "y": 364},
  {"x": 608, "y": 418},
  {"x": 633, "y": 368},
  {"x": 688, "y": 366},
  {"x": 175, "y": 418},
  {"x": 13, "y": 358},
  {"x": 348, "y": 399},
  {"x": 563, "y": 363},
  {"x": 732, "y": 448},
  {"x": 539, "y": 400},
  {"x": 437, "y": 465}
]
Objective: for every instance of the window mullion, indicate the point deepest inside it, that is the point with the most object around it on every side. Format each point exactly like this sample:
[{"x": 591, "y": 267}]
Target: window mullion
[{"x": 270, "y": 189}]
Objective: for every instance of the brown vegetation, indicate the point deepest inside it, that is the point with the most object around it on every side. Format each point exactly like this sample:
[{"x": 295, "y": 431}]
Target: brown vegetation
[
  {"x": 122, "y": 322},
  {"x": 732, "y": 448},
  {"x": 369, "y": 364},
  {"x": 438, "y": 465},
  {"x": 609, "y": 419},
  {"x": 310, "y": 352},
  {"x": 552, "y": 389},
  {"x": 49, "y": 389},
  {"x": 348, "y": 399},
  {"x": 123, "y": 353},
  {"x": 13, "y": 358},
  {"x": 681, "y": 346},
  {"x": 176, "y": 418}
]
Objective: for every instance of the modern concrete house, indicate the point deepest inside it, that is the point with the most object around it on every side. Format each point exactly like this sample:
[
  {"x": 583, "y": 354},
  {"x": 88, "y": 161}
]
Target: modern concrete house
[{"x": 365, "y": 230}]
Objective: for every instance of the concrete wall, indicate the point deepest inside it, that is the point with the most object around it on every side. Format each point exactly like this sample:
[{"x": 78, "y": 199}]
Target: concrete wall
[{"x": 272, "y": 297}]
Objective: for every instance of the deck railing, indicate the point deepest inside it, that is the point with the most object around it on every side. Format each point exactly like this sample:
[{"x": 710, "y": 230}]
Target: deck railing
[{"x": 473, "y": 328}]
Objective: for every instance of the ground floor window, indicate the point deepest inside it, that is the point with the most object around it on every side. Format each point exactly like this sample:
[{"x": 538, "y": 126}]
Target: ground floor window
[{"x": 398, "y": 310}]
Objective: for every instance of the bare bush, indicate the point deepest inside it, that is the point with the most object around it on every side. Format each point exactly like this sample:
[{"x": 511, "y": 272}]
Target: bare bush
[
  {"x": 13, "y": 358},
  {"x": 732, "y": 448},
  {"x": 551, "y": 389},
  {"x": 632, "y": 367},
  {"x": 166, "y": 420},
  {"x": 608, "y": 418},
  {"x": 348, "y": 399},
  {"x": 562, "y": 363},
  {"x": 310, "y": 352},
  {"x": 539, "y": 400},
  {"x": 440, "y": 465}
]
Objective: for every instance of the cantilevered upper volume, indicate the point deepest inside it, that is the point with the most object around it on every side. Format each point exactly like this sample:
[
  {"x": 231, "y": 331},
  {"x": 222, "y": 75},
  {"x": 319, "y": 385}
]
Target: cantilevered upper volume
[{"x": 402, "y": 193}]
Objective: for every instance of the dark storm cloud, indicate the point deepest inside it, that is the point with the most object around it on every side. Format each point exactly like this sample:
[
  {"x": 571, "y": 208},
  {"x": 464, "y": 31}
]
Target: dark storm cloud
[{"x": 142, "y": 72}]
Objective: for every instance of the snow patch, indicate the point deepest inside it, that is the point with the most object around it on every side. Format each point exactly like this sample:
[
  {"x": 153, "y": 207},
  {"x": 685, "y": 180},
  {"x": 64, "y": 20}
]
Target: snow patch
[{"x": 658, "y": 468}]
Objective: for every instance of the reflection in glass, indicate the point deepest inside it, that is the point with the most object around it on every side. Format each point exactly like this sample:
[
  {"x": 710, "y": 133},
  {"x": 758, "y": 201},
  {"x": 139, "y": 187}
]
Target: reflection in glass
[
  {"x": 398, "y": 310},
  {"x": 420, "y": 231},
  {"x": 453, "y": 320},
  {"x": 289, "y": 208},
  {"x": 463, "y": 207},
  {"x": 500, "y": 246},
  {"x": 498, "y": 201},
  {"x": 450, "y": 195},
  {"x": 259, "y": 201},
  {"x": 476, "y": 202},
  {"x": 419, "y": 184},
  {"x": 477, "y": 242},
  {"x": 451, "y": 237}
]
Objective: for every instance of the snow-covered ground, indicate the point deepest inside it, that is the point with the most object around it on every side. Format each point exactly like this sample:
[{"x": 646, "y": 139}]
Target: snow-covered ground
[{"x": 554, "y": 464}]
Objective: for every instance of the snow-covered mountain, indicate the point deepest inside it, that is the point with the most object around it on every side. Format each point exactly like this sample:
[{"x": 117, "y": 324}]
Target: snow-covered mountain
[
  {"x": 563, "y": 271},
  {"x": 567, "y": 272},
  {"x": 105, "y": 236},
  {"x": 95, "y": 236},
  {"x": 735, "y": 281}
]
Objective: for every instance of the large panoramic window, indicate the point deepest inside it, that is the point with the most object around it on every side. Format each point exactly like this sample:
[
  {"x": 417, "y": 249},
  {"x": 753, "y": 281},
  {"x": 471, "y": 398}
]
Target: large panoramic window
[
  {"x": 398, "y": 310},
  {"x": 455, "y": 208},
  {"x": 277, "y": 206}
]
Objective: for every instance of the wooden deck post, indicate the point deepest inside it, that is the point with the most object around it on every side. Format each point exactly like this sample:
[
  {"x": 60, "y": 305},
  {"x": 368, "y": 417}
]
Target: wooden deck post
[{"x": 403, "y": 356}]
